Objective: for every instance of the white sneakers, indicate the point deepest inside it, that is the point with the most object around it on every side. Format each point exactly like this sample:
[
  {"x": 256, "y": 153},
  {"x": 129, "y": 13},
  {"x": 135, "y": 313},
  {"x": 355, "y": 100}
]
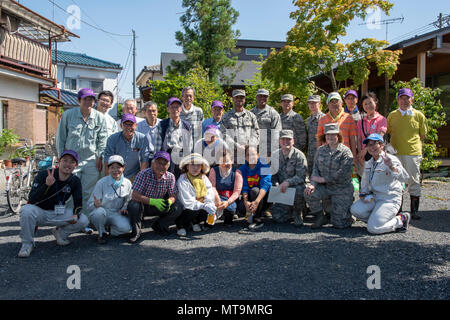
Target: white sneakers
[
  {"x": 196, "y": 228},
  {"x": 25, "y": 251},
  {"x": 181, "y": 232},
  {"x": 59, "y": 239}
]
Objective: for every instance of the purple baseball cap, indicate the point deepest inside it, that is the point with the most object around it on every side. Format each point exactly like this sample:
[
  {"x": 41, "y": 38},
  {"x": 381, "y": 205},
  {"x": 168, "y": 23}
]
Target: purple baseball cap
[
  {"x": 172, "y": 100},
  {"x": 212, "y": 129},
  {"x": 70, "y": 153},
  {"x": 405, "y": 92},
  {"x": 353, "y": 92},
  {"x": 162, "y": 154},
  {"x": 128, "y": 117},
  {"x": 86, "y": 92},
  {"x": 216, "y": 103}
]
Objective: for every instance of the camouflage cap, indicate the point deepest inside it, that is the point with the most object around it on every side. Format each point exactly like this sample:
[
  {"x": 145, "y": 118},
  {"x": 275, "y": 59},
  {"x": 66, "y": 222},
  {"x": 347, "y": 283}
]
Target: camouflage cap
[
  {"x": 288, "y": 96},
  {"x": 286, "y": 134},
  {"x": 314, "y": 98},
  {"x": 331, "y": 128},
  {"x": 238, "y": 92}
]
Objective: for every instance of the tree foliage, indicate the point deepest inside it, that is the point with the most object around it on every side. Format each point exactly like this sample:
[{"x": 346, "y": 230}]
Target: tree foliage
[
  {"x": 206, "y": 91},
  {"x": 208, "y": 38},
  {"x": 427, "y": 101},
  {"x": 313, "y": 45}
]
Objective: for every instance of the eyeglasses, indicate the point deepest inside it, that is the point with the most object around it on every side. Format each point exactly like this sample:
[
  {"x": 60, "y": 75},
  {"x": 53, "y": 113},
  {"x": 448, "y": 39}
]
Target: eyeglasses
[
  {"x": 105, "y": 100},
  {"x": 128, "y": 124}
]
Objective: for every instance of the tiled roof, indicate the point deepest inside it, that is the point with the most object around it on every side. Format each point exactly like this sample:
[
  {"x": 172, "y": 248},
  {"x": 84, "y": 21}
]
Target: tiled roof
[
  {"x": 69, "y": 98},
  {"x": 83, "y": 59}
]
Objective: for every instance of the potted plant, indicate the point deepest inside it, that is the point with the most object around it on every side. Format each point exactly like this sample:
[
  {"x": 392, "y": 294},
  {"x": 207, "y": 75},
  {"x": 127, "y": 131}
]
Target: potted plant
[{"x": 8, "y": 140}]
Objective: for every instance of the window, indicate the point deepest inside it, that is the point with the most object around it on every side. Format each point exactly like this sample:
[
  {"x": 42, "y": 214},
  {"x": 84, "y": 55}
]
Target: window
[
  {"x": 255, "y": 51},
  {"x": 97, "y": 86},
  {"x": 70, "y": 84}
]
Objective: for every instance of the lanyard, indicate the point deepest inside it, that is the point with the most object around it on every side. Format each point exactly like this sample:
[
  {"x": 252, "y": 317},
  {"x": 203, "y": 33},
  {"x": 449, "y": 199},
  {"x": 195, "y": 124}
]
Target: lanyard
[
  {"x": 60, "y": 202},
  {"x": 372, "y": 172},
  {"x": 370, "y": 127}
]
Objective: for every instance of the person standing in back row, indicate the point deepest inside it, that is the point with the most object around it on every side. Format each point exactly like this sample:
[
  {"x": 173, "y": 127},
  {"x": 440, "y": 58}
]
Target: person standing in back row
[
  {"x": 408, "y": 127},
  {"x": 291, "y": 120}
]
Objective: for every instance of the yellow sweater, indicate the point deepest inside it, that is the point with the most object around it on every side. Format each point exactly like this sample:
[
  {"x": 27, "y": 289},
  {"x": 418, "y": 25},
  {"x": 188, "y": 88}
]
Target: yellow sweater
[{"x": 406, "y": 131}]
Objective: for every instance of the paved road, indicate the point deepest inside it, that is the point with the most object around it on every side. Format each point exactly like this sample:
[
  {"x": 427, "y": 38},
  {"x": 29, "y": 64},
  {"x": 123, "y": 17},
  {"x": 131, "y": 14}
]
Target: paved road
[{"x": 277, "y": 262}]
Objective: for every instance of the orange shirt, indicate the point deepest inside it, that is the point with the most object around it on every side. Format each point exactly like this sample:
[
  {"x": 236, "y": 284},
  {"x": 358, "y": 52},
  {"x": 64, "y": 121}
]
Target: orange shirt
[{"x": 347, "y": 126}]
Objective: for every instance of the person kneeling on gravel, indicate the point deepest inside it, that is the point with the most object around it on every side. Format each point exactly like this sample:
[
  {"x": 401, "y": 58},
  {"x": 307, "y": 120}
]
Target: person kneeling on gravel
[
  {"x": 154, "y": 194},
  {"x": 291, "y": 173},
  {"x": 381, "y": 190},
  {"x": 47, "y": 204},
  {"x": 109, "y": 200}
]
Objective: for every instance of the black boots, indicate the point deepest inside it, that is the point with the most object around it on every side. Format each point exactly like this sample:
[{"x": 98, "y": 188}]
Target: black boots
[
  {"x": 321, "y": 219},
  {"x": 415, "y": 208}
]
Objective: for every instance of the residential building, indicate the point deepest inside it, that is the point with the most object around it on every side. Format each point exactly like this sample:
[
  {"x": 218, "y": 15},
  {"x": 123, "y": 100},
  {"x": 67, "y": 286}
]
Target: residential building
[
  {"x": 78, "y": 70},
  {"x": 248, "y": 51},
  {"x": 26, "y": 69}
]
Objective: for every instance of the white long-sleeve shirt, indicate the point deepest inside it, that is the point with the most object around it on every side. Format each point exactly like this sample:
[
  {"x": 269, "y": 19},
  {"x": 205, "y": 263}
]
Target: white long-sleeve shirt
[
  {"x": 112, "y": 200},
  {"x": 187, "y": 196},
  {"x": 380, "y": 180}
]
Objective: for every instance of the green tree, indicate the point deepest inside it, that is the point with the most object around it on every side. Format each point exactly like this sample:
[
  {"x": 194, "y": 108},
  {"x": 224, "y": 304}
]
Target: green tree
[
  {"x": 313, "y": 45},
  {"x": 206, "y": 91},
  {"x": 427, "y": 101},
  {"x": 208, "y": 38}
]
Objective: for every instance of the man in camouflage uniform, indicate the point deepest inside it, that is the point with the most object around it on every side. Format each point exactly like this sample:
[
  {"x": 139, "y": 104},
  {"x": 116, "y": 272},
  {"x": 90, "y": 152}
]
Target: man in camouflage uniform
[
  {"x": 291, "y": 120},
  {"x": 292, "y": 167},
  {"x": 239, "y": 127},
  {"x": 331, "y": 178},
  {"x": 311, "y": 125},
  {"x": 268, "y": 119}
]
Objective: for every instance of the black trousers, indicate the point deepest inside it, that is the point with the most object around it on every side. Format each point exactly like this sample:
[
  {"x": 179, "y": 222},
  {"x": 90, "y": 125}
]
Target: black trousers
[
  {"x": 252, "y": 195},
  {"x": 189, "y": 217},
  {"x": 137, "y": 210}
]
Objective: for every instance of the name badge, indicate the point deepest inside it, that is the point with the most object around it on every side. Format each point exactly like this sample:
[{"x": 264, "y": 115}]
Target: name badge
[
  {"x": 60, "y": 210},
  {"x": 374, "y": 126}
]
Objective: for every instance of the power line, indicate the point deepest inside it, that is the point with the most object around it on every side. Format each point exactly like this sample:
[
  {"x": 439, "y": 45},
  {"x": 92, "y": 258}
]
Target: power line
[
  {"x": 92, "y": 26},
  {"x": 126, "y": 63}
]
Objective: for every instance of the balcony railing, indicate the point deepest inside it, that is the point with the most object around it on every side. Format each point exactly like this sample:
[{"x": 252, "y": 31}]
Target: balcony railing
[{"x": 26, "y": 54}]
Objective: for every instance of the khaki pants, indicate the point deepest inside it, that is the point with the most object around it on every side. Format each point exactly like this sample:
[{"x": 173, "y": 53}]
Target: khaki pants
[{"x": 412, "y": 167}]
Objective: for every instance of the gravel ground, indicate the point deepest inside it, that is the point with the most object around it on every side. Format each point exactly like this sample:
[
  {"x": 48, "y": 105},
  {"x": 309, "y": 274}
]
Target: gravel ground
[{"x": 275, "y": 262}]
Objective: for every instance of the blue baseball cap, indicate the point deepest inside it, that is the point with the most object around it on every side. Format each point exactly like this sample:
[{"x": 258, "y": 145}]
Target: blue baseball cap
[
  {"x": 172, "y": 100},
  {"x": 374, "y": 137}
]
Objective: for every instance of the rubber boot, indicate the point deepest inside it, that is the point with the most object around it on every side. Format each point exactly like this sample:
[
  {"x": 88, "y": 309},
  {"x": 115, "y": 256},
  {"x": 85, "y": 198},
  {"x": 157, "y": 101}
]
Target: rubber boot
[
  {"x": 415, "y": 208},
  {"x": 321, "y": 220}
]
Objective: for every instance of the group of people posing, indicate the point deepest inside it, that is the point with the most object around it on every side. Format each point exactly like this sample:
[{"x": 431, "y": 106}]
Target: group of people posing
[{"x": 190, "y": 171}]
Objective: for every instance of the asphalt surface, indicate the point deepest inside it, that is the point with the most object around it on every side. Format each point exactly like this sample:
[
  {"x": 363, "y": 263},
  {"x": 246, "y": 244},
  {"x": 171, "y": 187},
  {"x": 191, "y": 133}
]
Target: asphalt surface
[{"x": 275, "y": 262}]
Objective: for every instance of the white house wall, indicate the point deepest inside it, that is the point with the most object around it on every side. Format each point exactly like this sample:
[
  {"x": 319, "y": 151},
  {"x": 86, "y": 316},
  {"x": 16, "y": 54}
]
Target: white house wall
[{"x": 18, "y": 89}]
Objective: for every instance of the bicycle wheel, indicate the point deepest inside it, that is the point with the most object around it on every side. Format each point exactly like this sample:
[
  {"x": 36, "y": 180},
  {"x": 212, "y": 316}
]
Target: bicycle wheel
[{"x": 14, "y": 195}]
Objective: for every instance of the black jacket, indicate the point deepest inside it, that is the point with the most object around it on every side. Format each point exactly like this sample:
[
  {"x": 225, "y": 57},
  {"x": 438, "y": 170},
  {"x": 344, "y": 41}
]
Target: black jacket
[{"x": 47, "y": 198}]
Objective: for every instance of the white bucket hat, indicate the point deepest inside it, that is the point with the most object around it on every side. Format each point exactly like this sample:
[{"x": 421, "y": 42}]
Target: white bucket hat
[{"x": 195, "y": 158}]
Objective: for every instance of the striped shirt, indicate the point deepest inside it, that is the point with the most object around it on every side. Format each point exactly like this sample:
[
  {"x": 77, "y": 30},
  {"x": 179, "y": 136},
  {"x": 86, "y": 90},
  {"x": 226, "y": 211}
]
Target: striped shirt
[
  {"x": 347, "y": 126},
  {"x": 147, "y": 185}
]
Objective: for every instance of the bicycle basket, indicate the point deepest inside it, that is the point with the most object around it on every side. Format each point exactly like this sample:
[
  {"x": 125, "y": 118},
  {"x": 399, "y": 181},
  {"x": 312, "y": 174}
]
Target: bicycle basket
[{"x": 45, "y": 164}]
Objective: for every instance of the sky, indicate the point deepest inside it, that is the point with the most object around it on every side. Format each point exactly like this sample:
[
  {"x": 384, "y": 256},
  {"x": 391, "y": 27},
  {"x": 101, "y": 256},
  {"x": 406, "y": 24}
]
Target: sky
[{"x": 156, "y": 21}]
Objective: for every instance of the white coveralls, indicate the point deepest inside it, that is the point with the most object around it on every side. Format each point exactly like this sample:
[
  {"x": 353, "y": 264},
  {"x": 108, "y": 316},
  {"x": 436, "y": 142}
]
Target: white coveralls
[
  {"x": 386, "y": 187},
  {"x": 113, "y": 200},
  {"x": 32, "y": 216}
]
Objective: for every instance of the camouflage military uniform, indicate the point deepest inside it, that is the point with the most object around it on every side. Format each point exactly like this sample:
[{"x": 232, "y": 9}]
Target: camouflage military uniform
[
  {"x": 241, "y": 128},
  {"x": 293, "y": 121},
  {"x": 336, "y": 167},
  {"x": 269, "y": 119},
  {"x": 293, "y": 170},
  {"x": 311, "y": 125}
]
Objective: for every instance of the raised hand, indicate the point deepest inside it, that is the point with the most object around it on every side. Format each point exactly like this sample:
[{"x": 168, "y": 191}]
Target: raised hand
[
  {"x": 97, "y": 203},
  {"x": 50, "y": 180}
]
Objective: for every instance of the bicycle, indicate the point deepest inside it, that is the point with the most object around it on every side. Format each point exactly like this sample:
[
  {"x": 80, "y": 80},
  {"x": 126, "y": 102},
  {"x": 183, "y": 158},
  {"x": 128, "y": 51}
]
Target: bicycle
[{"x": 18, "y": 183}]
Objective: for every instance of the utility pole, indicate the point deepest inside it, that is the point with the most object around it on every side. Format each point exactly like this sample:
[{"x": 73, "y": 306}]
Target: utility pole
[{"x": 134, "y": 64}]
